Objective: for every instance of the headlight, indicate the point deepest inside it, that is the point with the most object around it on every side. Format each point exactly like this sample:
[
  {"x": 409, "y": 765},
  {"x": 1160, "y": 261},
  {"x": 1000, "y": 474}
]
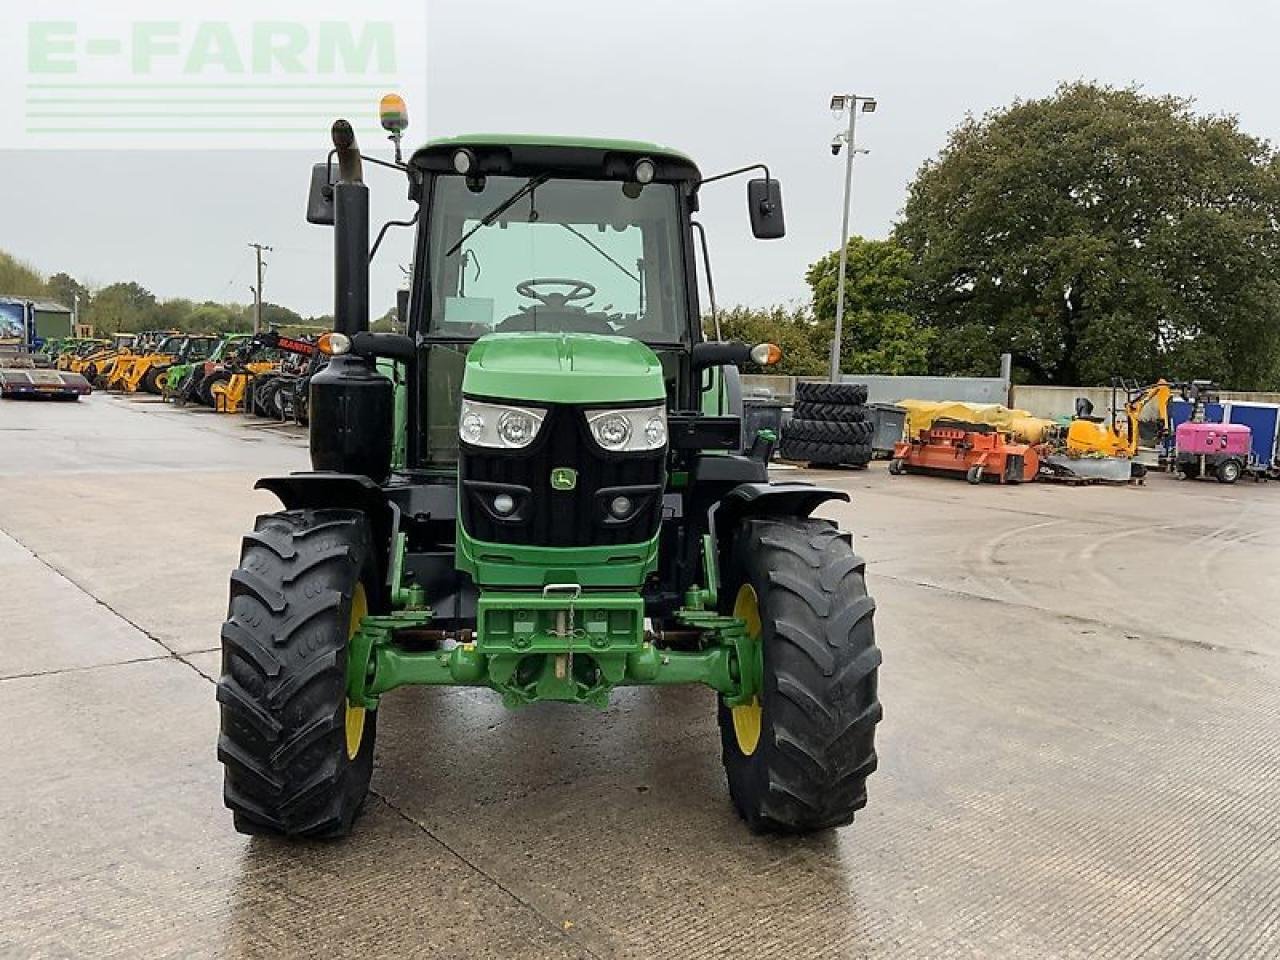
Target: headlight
[
  {"x": 498, "y": 425},
  {"x": 629, "y": 430}
]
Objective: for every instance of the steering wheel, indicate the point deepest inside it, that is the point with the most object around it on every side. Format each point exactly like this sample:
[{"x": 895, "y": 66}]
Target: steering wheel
[{"x": 578, "y": 290}]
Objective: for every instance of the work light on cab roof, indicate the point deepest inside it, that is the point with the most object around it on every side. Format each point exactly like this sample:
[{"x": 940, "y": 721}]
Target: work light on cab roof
[{"x": 394, "y": 116}]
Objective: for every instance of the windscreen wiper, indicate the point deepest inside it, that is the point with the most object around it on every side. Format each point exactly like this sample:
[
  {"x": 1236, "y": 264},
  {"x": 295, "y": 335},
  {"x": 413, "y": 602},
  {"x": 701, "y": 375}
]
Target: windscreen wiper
[
  {"x": 598, "y": 249},
  {"x": 500, "y": 209}
]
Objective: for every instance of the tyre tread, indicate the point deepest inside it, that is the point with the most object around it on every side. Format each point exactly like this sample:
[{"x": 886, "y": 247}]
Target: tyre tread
[
  {"x": 820, "y": 699},
  {"x": 282, "y": 688}
]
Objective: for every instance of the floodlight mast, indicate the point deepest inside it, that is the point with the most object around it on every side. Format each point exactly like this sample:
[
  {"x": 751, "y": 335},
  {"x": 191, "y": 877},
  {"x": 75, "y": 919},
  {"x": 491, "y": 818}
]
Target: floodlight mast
[{"x": 842, "y": 102}]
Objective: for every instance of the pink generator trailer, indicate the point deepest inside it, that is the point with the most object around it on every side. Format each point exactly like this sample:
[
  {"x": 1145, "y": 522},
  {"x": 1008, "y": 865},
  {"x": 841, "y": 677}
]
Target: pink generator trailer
[{"x": 1218, "y": 450}]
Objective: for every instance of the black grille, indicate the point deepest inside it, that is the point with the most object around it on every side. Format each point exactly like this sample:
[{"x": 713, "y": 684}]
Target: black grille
[{"x": 561, "y": 518}]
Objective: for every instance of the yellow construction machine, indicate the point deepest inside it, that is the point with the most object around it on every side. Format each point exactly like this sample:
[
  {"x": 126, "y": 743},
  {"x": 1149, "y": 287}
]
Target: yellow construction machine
[
  {"x": 1117, "y": 436},
  {"x": 96, "y": 365},
  {"x": 1105, "y": 449},
  {"x": 148, "y": 350}
]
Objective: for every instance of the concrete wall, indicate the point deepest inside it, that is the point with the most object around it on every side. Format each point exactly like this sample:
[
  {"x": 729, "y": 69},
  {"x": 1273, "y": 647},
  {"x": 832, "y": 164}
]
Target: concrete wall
[
  {"x": 882, "y": 389},
  {"x": 1055, "y": 402},
  {"x": 886, "y": 389},
  {"x": 1049, "y": 402}
]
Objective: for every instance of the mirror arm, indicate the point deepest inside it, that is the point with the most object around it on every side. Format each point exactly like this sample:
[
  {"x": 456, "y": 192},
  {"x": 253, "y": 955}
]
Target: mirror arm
[
  {"x": 402, "y": 167},
  {"x": 766, "y": 207},
  {"x": 373, "y": 252},
  {"x": 734, "y": 173},
  {"x": 711, "y": 287}
]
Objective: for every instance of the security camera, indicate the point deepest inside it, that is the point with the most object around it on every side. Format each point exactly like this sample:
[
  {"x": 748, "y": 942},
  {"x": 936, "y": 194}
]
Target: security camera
[{"x": 836, "y": 143}]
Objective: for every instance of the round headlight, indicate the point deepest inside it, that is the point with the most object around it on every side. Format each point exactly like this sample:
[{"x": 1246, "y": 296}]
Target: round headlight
[
  {"x": 504, "y": 503},
  {"x": 620, "y": 507},
  {"x": 471, "y": 427},
  {"x": 644, "y": 171},
  {"x": 655, "y": 432},
  {"x": 516, "y": 428},
  {"x": 612, "y": 431}
]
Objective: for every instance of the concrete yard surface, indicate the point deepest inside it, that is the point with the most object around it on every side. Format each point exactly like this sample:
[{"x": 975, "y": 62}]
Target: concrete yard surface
[{"x": 1080, "y": 755}]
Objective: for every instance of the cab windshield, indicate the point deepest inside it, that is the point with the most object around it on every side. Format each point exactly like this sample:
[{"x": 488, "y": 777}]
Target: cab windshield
[{"x": 511, "y": 254}]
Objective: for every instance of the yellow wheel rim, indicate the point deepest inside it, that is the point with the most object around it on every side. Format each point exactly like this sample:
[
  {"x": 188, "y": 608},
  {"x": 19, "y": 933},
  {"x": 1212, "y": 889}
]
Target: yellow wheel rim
[
  {"x": 747, "y": 718},
  {"x": 355, "y": 715}
]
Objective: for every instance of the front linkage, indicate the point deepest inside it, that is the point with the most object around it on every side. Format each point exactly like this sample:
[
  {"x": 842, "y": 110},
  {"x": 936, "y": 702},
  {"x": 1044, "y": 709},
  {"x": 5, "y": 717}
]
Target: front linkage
[{"x": 561, "y": 645}]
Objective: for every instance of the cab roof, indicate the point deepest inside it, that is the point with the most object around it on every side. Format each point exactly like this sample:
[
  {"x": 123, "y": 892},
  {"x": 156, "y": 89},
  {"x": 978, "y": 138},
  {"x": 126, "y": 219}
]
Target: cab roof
[{"x": 524, "y": 154}]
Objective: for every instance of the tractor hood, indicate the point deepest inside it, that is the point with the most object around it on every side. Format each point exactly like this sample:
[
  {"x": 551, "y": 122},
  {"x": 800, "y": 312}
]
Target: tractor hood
[{"x": 577, "y": 368}]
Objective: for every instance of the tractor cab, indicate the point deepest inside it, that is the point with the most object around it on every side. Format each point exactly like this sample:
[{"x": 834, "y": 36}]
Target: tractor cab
[{"x": 585, "y": 245}]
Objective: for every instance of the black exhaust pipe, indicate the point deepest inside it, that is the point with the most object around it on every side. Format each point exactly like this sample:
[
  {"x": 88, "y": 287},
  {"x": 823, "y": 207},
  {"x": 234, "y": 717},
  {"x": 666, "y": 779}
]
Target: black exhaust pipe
[
  {"x": 351, "y": 235},
  {"x": 352, "y": 404}
]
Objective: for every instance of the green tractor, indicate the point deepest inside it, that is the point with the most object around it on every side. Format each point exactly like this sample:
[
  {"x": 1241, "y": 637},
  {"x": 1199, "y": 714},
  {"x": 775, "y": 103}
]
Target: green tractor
[
  {"x": 192, "y": 385},
  {"x": 191, "y": 351},
  {"x": 546, "y": 497}
]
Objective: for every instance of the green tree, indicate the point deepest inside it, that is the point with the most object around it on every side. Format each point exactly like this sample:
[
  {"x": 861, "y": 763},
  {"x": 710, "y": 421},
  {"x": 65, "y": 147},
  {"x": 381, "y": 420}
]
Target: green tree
[
  {"x": 19, "y": 280},
  {"x": 127, "y": 307},
  {"x": 63, "y": 288},
  {"x": 210, "y": 317},
  {"x": 1100, "y": 232},
  {"x": 878, "y": 334},
  {"x": 274, "y": 315},
  {"x": 174, "y": 314},
  {"x": 793, "y": 329}
]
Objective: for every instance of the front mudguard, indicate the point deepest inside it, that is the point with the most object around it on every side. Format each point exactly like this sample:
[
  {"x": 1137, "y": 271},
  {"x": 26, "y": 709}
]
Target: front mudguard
[
  {"x": 789, "y": 499},
  {"x": 345, "y": 491}
]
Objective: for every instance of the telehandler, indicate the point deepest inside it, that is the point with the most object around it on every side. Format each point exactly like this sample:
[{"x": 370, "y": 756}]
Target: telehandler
[
  {"x": 97, "y": 364},
  {"x": 553, "y": 505},
  {"x": 128, "y": 370}
]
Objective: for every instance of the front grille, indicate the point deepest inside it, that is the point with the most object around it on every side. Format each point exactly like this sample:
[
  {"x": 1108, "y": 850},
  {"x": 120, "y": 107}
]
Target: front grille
[{"x": 561, "y": 518}]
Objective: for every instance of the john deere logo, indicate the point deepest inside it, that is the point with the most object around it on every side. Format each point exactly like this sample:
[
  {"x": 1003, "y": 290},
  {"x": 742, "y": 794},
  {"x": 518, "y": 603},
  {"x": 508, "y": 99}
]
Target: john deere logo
[{"x": 564, "y": 478}]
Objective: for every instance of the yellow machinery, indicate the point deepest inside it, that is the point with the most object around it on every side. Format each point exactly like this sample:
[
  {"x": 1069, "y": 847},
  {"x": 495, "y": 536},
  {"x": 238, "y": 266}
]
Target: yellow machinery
[
  {"x": 149, "y": 349},
  {"x": 102, "y": 360},
  {"x": 228, "y": 395},
  {"x": 1118, "y": 437},
  {"x": 1019, "y": 424},
  {"x": 73, "y": 350}
]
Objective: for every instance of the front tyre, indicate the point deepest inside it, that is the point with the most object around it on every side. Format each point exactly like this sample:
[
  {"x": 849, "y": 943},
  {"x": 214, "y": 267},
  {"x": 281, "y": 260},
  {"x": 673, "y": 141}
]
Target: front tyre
[
  {"x": 297, "y": 756},
  {"x": 798, "y": 758}
]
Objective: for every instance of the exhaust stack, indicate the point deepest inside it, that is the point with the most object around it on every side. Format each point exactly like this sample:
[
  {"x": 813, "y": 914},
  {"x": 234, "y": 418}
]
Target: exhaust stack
[{"x": 351, "y": 235}]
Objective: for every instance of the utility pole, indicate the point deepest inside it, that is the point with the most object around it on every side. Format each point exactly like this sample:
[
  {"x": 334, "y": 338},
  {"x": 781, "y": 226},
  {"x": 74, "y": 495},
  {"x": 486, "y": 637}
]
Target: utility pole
[
  {"x": 841, "y": 102},
  {"x": 257, "y": 290}
]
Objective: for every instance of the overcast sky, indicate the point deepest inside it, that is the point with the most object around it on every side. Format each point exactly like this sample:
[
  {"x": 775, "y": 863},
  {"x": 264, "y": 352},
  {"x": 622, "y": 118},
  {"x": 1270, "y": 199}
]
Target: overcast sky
[{"x": 728, "y": 81}]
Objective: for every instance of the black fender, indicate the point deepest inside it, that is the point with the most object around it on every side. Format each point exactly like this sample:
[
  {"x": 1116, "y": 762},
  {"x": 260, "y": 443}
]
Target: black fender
[
  {"x": 787, "y": 499},
  {"x": 343, "y": 491}
]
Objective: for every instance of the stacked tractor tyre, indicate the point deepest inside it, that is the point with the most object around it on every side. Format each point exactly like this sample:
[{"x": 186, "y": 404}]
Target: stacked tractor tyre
[{"x": 829, "y": 425}]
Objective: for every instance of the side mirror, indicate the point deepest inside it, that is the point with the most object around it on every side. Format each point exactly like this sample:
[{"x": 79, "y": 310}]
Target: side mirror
[
  {"x": 764, "y": 203},
  {"x": 320, "y": 196}
]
